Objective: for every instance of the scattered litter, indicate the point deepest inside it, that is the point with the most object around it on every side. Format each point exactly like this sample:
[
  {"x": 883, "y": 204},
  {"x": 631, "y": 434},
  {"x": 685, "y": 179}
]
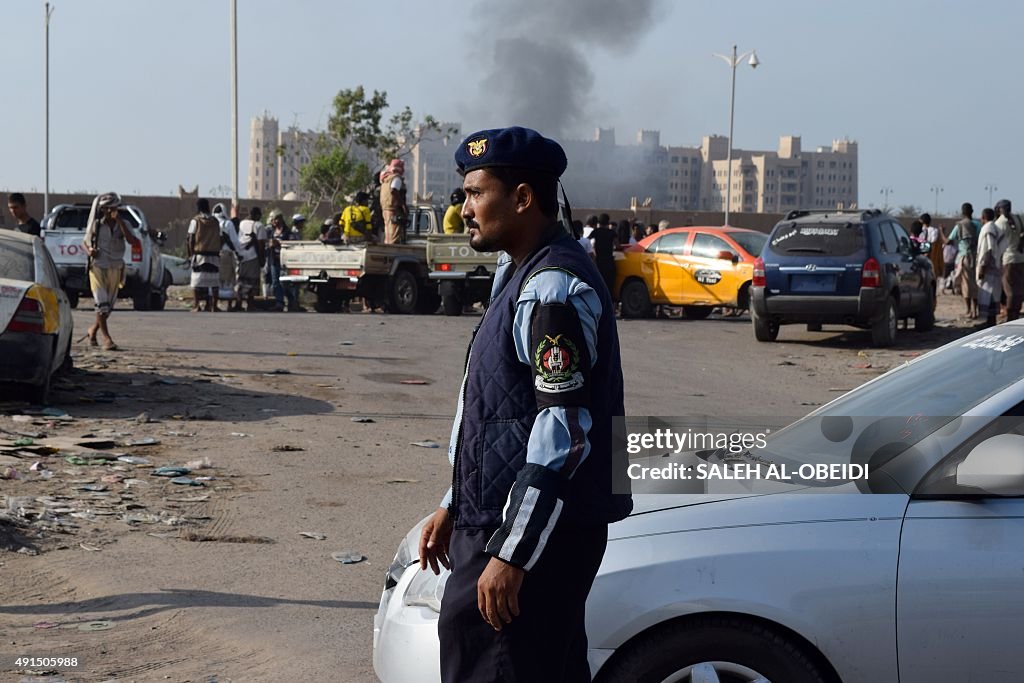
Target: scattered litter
[
  {"x": 910, "y": 354},
  {"x": 425, "y": 444},
  {"x": 170, "y": 471},
  {"x": 112, "y": 478},
  {"x": 809, "y": 403},
  {"x": 134, "y": 460},
  {"x": 211, "y": 538},
  {"x": 315, "y": 535},
  {"x": 24, "y": 441},
  {"x": 22, "y": 418},
  {"x": 239, "y": 434},
  {"x": 186, "y": 481},
  {"x": 37, "y": 465},
  {"x": 346, "y": 343},
  {"x": 862, "y": 354},
  {"x": 91, "y": 487},
  {"x": 402, "y": 481},
  {"x": 287, "y": 448},
  {"x": 54, "y": 412},
  {"x": 90, "y": 548},
  {"x": 363, "y": 419},
  {"x": 78, "y": 460},
  {"x": 46, "y": 624},
  {"x": 148, "y": 441},
  {"x": 163, "y": 534},
  {"x": 200, "y": 464},
  {"x": 414, "y": 381},
  {"x": 143, "y": 418},
  {"x": 189, "y": 499},
  {"x": 188, "y": 434},
  {"x": 205, "y": 478},
  {"x": 346, "y": 557},
  {"x": 96, "y": 626},
  {"x": 131, "y": 483},
  {"x": 292, "y": 353},
  {"x": 861, "y": 366},
  {"x": 9, "y": 473}
]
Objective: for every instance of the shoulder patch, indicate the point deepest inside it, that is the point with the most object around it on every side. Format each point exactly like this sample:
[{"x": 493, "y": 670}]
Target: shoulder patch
[{"x": 557, "y": 360}]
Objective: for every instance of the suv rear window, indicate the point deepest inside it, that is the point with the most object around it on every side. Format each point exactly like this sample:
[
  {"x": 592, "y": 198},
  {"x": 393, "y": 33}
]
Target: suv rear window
[
  {"x": 17, "y": 261},
  {"x": 830, "y": 239},
  {"x": 77, "y": 216}
]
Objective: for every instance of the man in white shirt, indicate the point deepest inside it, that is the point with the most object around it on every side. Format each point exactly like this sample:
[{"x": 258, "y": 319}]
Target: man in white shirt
[
  {"x": 252, "y": 239},
  {"x": 1013, "y": 259},
  {"x": 991, "y": 245},
  {"x": 228, "y": 256}
]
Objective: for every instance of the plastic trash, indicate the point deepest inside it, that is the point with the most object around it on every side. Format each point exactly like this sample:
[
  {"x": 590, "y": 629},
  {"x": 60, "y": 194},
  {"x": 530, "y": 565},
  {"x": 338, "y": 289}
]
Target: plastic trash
[
  {"x": 363, "y": 419},
  {"x": 199, "y": 464},
  {"x": 170, "y": 471},
  {"x": 287, "y": 448},
  {"x": 315, "y": 535},
  {"x": 414, "y": 381},
  {"x": 347, "y": 557},
  {"x": 134, "y": 460},
  {"x": 425, "y": 444},
  {"x": 186, "y": 481}
]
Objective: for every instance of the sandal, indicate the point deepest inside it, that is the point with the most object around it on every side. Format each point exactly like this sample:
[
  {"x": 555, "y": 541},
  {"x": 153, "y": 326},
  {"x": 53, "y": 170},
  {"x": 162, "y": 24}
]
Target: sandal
[{"x": 110, "y": 346}]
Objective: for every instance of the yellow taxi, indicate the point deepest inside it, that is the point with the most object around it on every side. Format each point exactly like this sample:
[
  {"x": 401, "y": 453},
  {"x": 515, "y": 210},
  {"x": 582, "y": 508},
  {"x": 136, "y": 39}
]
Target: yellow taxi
[
  {"x": 698, "y": 268},
  {"x": 35, "y": 317}
]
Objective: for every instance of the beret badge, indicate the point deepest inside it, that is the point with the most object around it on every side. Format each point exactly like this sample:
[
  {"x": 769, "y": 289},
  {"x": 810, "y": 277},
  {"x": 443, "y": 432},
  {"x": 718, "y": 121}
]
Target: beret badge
[{"x": 476, "y": 148}]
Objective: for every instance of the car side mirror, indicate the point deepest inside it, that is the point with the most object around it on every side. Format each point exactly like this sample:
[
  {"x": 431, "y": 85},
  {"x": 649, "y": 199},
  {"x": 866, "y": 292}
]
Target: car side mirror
[
  {"x": 726, "y": 255},
  {"x": 995, "y": 466}
]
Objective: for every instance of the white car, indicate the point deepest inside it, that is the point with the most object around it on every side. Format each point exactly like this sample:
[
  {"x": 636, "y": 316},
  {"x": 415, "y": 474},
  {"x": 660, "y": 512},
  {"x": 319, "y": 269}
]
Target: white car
[{"x": 919, "y": 578}]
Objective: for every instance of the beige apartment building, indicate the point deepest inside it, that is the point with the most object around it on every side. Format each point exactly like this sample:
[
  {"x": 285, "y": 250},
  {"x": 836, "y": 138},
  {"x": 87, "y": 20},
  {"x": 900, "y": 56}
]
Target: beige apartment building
[
  {"x": 430, "y": 172},
  {"x": 274, "y": 175}
]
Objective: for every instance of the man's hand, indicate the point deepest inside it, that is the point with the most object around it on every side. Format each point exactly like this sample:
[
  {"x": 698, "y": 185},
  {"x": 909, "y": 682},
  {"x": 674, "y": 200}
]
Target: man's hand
[
  {"x": 437, "y": 532},
  {"x": 497, "y": 593}
]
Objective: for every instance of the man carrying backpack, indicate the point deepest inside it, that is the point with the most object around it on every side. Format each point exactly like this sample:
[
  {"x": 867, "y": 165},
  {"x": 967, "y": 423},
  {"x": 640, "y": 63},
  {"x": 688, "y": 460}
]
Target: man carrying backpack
[
  {"x": 205, "y": 240},
  {"x": 357, "y": 220}
]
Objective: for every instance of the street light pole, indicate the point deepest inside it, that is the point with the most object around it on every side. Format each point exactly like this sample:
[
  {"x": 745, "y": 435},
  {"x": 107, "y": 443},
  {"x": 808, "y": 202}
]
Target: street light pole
[
  {"x": 733, "y": 61},
  {"x": 46, "y": 144},
  {"x": 234, "y": 102},
  {"x": 937, "y": 189},
  {"x": 886, "y": 191},
  {"x": 991, "y": 188}
]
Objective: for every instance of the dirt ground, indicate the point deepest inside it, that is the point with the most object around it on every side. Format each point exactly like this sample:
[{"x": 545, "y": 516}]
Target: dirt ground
[{"x": 212, "y": 579}]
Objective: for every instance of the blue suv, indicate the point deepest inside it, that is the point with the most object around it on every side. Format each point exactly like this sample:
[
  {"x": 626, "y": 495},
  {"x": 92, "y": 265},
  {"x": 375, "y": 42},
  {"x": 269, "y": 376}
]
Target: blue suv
[{"x": 855, "y": 268}]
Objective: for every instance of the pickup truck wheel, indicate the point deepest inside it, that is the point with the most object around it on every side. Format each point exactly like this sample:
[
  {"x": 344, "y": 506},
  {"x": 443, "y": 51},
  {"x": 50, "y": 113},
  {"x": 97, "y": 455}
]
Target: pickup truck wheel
[
  {"x": 404, "y": 293},
  {"x": 452, "y": 304},
  {"x": 635, "y": 300},
  {"x": 429, "y": 300},
  {"x": 72, "y": 299}
]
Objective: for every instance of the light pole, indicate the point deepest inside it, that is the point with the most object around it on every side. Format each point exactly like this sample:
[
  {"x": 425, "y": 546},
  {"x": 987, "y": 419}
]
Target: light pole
[
  {"x": 234, "y": 102},
  {"x": 46, "y": 87},
  {"x": 937, "y": 189},
  {"x": 886, "y": 191},
  {"x": 733, "y": 61},
  {"x": 991, "y": 188}
]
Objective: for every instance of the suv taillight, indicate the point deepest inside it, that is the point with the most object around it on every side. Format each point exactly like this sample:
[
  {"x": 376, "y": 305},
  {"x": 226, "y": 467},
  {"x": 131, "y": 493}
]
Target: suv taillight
[
  {"x": 871, "y": 275},
  {"x": 28, "y": 317},
  {"x": 759, "y": 279},
  {"x": 136, "y": 252}
]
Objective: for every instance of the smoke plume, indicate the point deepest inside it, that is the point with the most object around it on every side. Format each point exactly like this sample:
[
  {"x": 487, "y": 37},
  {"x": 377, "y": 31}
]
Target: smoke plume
[{"x": 535, "y": 57}]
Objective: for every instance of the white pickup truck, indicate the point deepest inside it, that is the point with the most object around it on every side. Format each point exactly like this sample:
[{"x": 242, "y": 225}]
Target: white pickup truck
[
  {"x": 463, "y": 274},
  {"x": 146, "y": 278}
]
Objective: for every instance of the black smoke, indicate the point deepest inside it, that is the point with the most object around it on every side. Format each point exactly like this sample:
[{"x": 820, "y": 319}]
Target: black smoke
[{"x": 535, "y": 57}]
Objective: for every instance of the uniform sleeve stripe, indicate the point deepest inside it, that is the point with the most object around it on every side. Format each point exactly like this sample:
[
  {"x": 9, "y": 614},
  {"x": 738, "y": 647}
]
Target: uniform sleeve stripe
[
  {"x": 508, "y": 548},
  {"x": 544, "y": 536}
]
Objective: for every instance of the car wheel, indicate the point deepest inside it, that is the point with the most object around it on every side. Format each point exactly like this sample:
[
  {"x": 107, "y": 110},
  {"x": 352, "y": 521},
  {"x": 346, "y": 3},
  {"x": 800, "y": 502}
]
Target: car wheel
[
  {"x": 883, "y": 332},
  {"x": 141, "y": 298},
  {"x": 38, "y": 394},
  {"x": 814, "y": 327},
  {"x": 765, "y": 329},
  {"x": 451, "y": 304},
  {"x": 925, "y": 319},
  {"x": 697, "y": 312},
  {"x": 635, "y": 300},
  {"x": 72, "y": 299},
  {"x": 713, "y": 649},
  {"x": 404, "y": 293}
]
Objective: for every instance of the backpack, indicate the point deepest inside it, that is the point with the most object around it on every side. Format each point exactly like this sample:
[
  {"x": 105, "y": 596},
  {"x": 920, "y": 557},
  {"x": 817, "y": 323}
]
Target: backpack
[{"x": 207, "y": 237}]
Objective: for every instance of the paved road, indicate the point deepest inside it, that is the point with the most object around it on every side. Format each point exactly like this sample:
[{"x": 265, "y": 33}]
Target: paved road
[{"x": 242, "y": 389}]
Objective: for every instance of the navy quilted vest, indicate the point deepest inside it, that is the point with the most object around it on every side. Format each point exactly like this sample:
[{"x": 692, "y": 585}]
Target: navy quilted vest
[{"x": 500, "y": 407}]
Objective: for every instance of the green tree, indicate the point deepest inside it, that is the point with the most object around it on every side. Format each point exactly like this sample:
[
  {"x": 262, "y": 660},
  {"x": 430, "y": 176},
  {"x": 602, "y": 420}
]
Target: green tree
[
  {"x": 357, "y": 141},
  {"x": 909, "y": 210}
]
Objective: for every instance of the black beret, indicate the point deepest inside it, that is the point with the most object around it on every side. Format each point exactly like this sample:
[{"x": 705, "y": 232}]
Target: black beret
[{"x": 517, "y": 147}]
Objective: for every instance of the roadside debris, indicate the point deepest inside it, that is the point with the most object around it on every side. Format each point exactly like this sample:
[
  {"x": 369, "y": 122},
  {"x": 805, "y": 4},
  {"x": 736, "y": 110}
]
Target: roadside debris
[
  {"x": 347, "y": 557},
  {"x": 315, "y": 535},
  {"x": 364, "y": 420},
  {"x": 287, "y": 448},
  {"x": 425, "y": 444}
]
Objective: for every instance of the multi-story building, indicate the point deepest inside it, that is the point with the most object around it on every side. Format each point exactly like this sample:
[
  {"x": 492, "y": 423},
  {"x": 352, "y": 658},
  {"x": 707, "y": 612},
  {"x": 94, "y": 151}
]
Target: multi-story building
[
  {"x": 275, "y": 157},
  {"x": 430, "y": 169}
]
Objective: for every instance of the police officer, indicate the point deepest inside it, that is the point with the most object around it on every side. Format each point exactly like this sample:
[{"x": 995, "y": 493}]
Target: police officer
[{"x": 525, "y": 524}]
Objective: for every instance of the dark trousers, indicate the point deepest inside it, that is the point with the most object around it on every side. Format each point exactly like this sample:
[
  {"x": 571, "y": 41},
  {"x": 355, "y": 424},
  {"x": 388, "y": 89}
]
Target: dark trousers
[
  {"x": 1013, "y": 287},
  {"x": 548, "y": 640}
]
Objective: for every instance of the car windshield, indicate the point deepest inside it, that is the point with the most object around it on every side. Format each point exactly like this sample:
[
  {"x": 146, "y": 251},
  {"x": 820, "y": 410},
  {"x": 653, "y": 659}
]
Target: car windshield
[
  {"x": 830, "y": 239},
  {"x": 751, "y": 242},
  {"x": 17, "y": 261},
  {"x": 898, "y": 411}
]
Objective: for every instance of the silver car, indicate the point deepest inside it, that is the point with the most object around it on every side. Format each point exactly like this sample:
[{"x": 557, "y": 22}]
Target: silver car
[{"x": 922, "y": 579}]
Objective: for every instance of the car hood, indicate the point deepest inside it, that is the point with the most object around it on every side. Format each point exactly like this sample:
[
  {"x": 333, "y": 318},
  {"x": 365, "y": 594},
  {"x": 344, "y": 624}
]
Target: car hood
[
  {"x": 11, "y": 294},
  {"x": 666, "y": 513}
]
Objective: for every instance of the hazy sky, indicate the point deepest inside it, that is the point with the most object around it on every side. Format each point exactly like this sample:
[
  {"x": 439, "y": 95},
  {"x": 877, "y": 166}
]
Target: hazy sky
[{"x": 140, "y": 89}]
